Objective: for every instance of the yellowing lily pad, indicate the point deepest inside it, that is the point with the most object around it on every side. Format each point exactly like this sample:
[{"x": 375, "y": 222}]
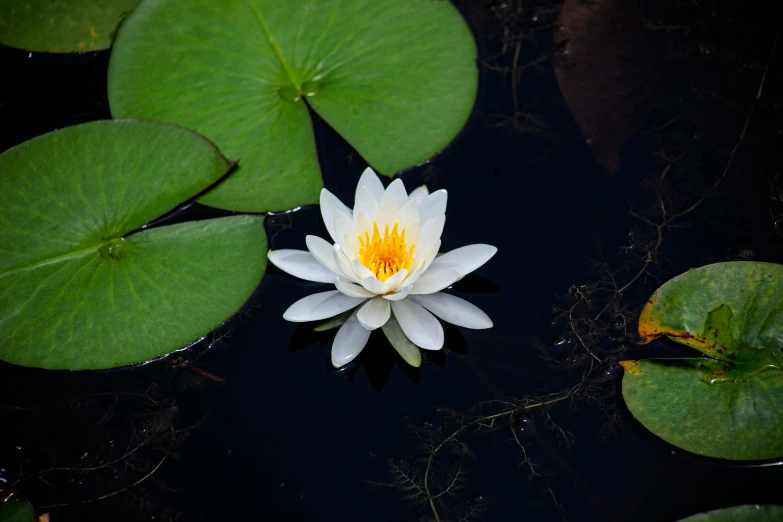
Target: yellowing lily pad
[
  {"x": 61, "y": 26},
  {"x": 81, "y": 285},
  {"x": 396, "y": 78},
  {"x": 740, "y": 514},
  {"x": 729, "y": 406}
]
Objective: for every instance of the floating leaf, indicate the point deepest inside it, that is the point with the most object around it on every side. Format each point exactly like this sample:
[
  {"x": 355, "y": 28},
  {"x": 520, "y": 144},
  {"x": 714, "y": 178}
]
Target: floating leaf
[
  {"x": 61, "y": 26},
  {"x": 79, "y": 289},
  {"x": 740, "y": 514},
  {"x": 15, "y": 508},
  {"x": 396, "y": 78},
  {"x": 729, "y": 406}
]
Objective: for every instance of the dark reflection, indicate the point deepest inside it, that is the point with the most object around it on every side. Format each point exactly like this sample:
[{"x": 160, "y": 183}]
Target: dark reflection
[
  {"x": 475, "y": 284},
  {"x": 304, "y": 336}
]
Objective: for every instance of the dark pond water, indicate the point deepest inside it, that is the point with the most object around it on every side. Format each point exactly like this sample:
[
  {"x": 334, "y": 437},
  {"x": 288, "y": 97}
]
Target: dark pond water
[{"x": 253, "y": 423}]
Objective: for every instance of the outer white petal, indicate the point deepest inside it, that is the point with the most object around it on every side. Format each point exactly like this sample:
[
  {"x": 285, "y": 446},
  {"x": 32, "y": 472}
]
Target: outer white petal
[
  {"x": 401, "y": 293},
  {"x": 434, "y": 205},
  {"x": 362, "y": 223},
  {"x": 329, "y": 205},
  {"x": 435, "y": 279},
  {"x": 350, "y": 340},
  {"x": 351, "y": 289},
  {"x": 322, "y": 252},
  {"x": 409, "y": 220},
  {"x": 301, "y": 264},
  {"x": 370, "y": 180},
  {"x": 432, "y": 229},
  {"x": 419, "y": 194},
  {"x": 344, "y": 264},
  {"x": 395, "y": 280},
  {"x": 419, "y": 325},
  {"x": 396, "y": 191},
  {"x": 466, "y": 259},
  {"x": 454, "y": 310},
  {"x": 374, "y": 313},
  {"x": 365, "y": 202},
  {"x": 320, "y": 306}
]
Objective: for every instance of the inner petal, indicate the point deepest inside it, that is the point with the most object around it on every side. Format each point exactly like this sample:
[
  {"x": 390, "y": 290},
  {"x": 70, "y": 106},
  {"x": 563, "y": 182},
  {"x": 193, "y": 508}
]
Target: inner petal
[{"x": 385, "y": 252}]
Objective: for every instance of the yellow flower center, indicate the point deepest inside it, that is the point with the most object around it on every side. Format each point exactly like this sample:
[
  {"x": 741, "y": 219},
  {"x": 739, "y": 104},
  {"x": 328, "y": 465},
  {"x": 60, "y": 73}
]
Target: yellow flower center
[{"x": 385, "y": 255}]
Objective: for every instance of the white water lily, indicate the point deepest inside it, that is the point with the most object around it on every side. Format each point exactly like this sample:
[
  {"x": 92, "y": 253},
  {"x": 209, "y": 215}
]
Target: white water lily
[{"x": 383, "y": 264}]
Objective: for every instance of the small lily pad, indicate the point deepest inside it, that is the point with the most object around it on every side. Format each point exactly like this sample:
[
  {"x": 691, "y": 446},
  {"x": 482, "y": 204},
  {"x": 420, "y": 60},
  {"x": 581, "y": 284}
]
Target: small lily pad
[
  {"x": 82, "y": 284},
  {"x": 740, "y": 514},
  {"x": 396, "y": 78},
  {"x": 61, "y": 26},
  {"x": 15, "y": 508},
  {"x": 729, "y": 406}
]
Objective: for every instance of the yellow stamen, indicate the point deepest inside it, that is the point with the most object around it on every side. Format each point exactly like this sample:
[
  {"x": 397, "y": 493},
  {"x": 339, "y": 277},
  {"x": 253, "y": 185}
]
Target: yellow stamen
[{"x": 385, "y": 255}]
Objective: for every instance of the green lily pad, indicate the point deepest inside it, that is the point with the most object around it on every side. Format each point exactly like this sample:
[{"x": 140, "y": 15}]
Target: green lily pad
[
  {"x": 61, "y": 26},
  {"x": 396, "y": 78},
  {"x": 729, "y": 406},
  {"x": 15, "y": 508},
  {"x": 81, "y": 287},
  {"x": 740, "y": 514}
]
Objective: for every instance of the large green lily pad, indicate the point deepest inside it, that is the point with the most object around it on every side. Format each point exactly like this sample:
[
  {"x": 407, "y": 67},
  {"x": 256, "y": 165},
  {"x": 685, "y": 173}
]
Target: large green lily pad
[
  {"x": 80, "y": 286},
  {"x": 61, "y": 26},
  {"x": 729, "y": 406},
  {"x": 396, "y": 78},
  {"x": 750, "y": 513}
]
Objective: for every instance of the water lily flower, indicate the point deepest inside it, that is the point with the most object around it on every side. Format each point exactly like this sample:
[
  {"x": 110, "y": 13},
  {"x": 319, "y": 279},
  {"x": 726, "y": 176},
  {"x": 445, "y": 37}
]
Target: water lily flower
[{"x": 384, "y": 264}]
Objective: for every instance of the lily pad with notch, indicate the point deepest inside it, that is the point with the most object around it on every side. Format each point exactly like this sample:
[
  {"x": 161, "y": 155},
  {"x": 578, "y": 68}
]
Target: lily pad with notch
[
  {"x": 729, "y": 405},
  {"x": 396, "y": 78},
  {"x": 83, "y": 283},
  {"x": 61, "y": 26}
]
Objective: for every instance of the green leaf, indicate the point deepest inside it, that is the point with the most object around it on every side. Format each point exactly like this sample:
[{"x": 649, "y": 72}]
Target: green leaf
[
  {"x": 80, "y": 286},
  {"x": 61, "y": 26},
  {"x": 15, "y": 508},
  {"x": 407, "y": 350},
  {"x": 740, "y": 514},
  {"x": 729, "y": 406},
  {"x": 737, "y": 421},
  {"x": 751, "y": 293},
  {"x": 396, "y": 78}
]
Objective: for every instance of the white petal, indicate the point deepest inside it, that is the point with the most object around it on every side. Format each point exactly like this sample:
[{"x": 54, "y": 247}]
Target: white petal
[
  {"x": 320, "y": 306},
  {"x": 363, "y": 223},
  {"x": 454, "y": 310},
  {"x": 434, "y": 205},
  {"x": 424, "y": 257},
  {"x": 396, "y": 191},
  {"x": 402, "y": 293},
  {"x": 419, "y": 194},
  {"x": 466, "y": 259},
  {"x": 329, "y": 205},
  {"x": 346, "y": 233},
  {"x": 350, "y": 340},
  {"x": 365, "y": 202},
  {"x": 322, "y": 252},
  {"x": 374, "y": 313},
  {"x": 388, "y": 213},
  {"x": 370, "y": 180},
  {"x": 435, "y": 279},
  {"x": 368, "y": 279},
  {"x": 409, "y": 220},
  {"x": 301, "y": 264},
  {"x": 395, "y": 280},
  {"x": 419, "y": 325},
  {"x": 344, "y": 264},
  {"x": 351, "y": 289},
  {"x": 432, "y": 229}
]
